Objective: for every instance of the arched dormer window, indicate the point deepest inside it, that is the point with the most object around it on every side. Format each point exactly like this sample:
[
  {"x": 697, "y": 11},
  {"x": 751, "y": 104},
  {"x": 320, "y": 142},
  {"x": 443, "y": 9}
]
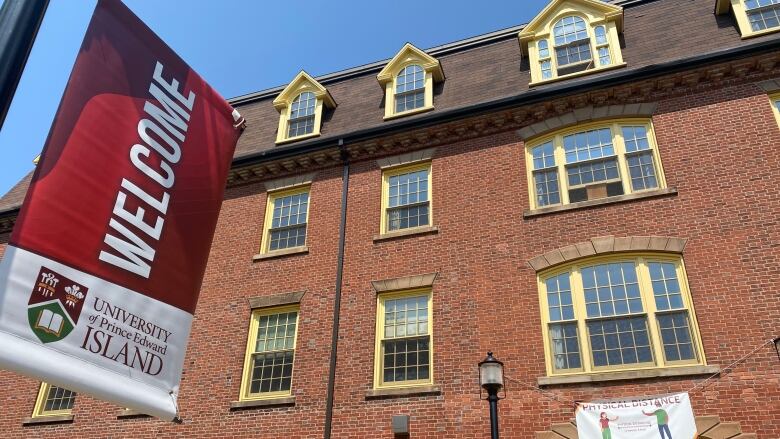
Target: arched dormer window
[
  {"x": 410, "y": 89},
  {"x": 754, "y": 17},
  {"x": 583, "y": 35},
  {"x": 300, "y": 107},
  {"x": 408, "y": 82}
]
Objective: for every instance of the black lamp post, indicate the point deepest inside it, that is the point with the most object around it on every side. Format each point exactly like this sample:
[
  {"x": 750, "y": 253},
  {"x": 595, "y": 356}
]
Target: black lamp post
[
  {"x": 777, "y": 346},
  {"x": 491, "y": 378}
]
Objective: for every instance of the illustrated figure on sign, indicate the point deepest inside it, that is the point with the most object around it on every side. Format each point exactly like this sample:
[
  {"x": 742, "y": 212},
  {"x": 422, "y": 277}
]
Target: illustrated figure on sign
[
  {"x": 604, "y": 421},
  {"x": 663, "y": 420}
]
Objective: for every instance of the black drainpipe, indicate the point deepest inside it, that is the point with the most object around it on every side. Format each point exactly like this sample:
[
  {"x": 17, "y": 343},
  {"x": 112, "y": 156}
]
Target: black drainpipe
[{"x": 337, "y": 304}]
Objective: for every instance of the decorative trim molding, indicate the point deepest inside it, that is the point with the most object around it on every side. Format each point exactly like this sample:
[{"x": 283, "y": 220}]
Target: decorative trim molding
[
  {"x": 607, "y": 244},
  {"x": 587, "y": 114},
  {"x": 629, "y": 375},
  {"x": 403, "y": 392},
  {"x": 42, "y": 420},
  {"x": 276, "y": 299},
  {"x": 288, "y": 182},
  {"x": 263, "y": 403},
  {"x": 280, "y": 253},
  {"x": 404, "y": 283},
  {"x": 407, "y": 158},
  {"x": 406, "y": 232}
]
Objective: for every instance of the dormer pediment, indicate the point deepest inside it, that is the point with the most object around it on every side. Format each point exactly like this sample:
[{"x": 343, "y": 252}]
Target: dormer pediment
[
  {"x": 301, "y": 83},
  {"x": 409, "y": 55},
  {"x": 595, "y": 11}
]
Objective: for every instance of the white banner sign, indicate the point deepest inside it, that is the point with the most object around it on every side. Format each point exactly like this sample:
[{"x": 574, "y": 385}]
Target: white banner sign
[{"x": 664, "y": 417}]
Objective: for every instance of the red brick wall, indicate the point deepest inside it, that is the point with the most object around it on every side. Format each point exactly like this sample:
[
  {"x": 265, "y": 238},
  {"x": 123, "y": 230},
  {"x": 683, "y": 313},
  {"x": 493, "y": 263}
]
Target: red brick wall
[{"x": 718, "y": 151}]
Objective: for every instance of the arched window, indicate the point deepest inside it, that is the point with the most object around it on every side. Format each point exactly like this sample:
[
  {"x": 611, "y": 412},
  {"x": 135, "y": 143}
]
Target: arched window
[
  {"x": 593, "y": 161},
  {"x": 572, "y": 45},
  {"x": 617, "y": 312},
  {"x": 763, "y": 14},
  {"x": 301, "y": 120},
  {"x": 410, "y": 88}
]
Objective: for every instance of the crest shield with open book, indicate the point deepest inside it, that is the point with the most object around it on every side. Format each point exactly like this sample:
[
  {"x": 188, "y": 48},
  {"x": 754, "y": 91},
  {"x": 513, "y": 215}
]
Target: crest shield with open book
[{"x": 55, "y": 305}]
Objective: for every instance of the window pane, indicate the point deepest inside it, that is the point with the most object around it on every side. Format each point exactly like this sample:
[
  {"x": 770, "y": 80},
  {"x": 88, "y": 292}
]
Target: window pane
[
  {"x": 601, "y": 35},
  {"x": 406, "y": 317},
  {"x": 569, "y": 29},
  {"x": 620, "y": 341},
  {"x": 676, "y": 337},
  {"x": 592, "y": 172},
  {"x": 642, "y": 171},
  {"x": 635, "y": 138},
  {"x": 559, "y": 300},
  {"x": 410, "y": 89},
  {"x": 573, "y": 53},
  {"x": 406, "y": 359},
  {"x": 609, "y": 289},
  {"x": 666, "y": 286},
  {"x": 410, "y": 189},
  {"x": 271, "y": 372},
  {"x": 604, "y": 58},
  {"x": 289, "y": 216},
  {"x": 588, "y": 145},
  {"x": 543, "y": 156},
  {"x": 58, "y": 399},
  {"x": 276, "y": 332},
  {"x": 546, "y": 186},
  {"x": 302, "y": 115},
  {"x": 566, "y": 347},
  {"x": 544, "y": 49},
  {"x": 763, "y": 14}
]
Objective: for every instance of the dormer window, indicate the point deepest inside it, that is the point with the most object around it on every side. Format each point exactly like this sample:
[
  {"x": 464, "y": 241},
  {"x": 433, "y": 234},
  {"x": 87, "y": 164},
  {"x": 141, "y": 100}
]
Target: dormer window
[
  {"x": 300, "y": 107},
  {"x": 754, "y": 17},
  {"x": 408, "y": 81},
  {"x": 583, "y": 35},
  {"x": 302, "y": 115},
  {"x": 410, "y": 89}
]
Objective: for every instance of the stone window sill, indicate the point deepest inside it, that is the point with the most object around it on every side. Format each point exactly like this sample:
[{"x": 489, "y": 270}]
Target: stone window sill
[
  {"x": 43, "y": 420},
  {"x": 629, "y": 375},
  {"x": 425, "y": 230},
  {"x": 403, "y": 392},
  {"x": 600, "y": 202},
  {"x": 287, "y": 401},
  {"x": 130, "y": 413},
  {"x": 280, "y": 253}
]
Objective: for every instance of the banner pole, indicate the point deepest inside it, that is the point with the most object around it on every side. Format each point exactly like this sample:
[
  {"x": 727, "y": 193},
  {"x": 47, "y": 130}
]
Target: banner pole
[{"x": 19, "y": 24}]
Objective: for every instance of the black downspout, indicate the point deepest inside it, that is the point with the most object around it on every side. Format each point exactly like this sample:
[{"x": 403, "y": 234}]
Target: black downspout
[
  {"x": 337, "y": 303},
  {"x": 19, "y": 24}
]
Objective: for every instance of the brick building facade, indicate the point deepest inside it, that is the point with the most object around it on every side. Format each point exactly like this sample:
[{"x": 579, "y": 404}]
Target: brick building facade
[{"x": 659, "y": 150}]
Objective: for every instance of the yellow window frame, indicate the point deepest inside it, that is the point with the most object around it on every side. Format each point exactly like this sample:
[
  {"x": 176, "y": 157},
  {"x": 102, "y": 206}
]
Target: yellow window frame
[
  {"x": 390, "y": 88},
  {"x": 284, "y": 119},
  {"x": 254, "y": 324},
  {"x": 378, "y": 351},
  {"x": 741, "y": 15},
  {"x": 618, "y": 143},
  {"x": 392, "y": 172},
  {"x": 774, "y": 99},
  {"x": 648, "y": 303},
  {"x": 39, "y": 411},
  {"x": 591, "y": 22},
  {"x": 265, "y": 242}
]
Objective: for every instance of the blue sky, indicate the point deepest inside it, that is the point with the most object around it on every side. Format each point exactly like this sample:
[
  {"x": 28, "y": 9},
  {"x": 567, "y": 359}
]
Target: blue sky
[{"x": 241, "y": 46}]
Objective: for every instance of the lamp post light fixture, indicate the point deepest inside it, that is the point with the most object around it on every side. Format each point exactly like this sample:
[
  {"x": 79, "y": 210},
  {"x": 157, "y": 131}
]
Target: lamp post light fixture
[
  {"x": 491, "y": 378},
  {"x": 777, "y": 346}
]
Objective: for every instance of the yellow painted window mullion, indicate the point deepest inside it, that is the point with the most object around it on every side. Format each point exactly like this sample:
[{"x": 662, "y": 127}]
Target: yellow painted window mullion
[
  {"x": 580, "y": 313},
  {"x": 560, "y": 162},
  {"x": 620, "y": 150},
  {"x": 648, "y": 301}
]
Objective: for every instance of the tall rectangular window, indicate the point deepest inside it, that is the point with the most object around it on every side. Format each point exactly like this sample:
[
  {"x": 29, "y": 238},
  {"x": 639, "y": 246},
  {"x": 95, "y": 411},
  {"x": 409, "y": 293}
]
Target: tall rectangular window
[
  {"x": 286, "y": 219},
  {"x": 268, "y": 366},
  {"x": 404, "y": 350},
  {"x": 406, "y": 198},
  {"x": 54, "y": 401}
]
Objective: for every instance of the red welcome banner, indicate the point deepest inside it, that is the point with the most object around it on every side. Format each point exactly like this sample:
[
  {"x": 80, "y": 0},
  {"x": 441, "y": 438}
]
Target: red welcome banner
[{"x": 102, "y": 273}]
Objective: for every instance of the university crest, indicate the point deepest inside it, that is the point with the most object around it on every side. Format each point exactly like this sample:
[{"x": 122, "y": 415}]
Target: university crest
[{"x": 55, "y": 305}]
